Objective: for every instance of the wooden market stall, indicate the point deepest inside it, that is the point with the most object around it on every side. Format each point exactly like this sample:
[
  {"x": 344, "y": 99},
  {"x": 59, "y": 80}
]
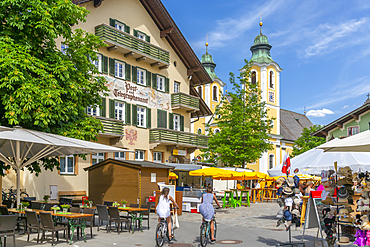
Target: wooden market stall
[{"x": 133, "y": 181}]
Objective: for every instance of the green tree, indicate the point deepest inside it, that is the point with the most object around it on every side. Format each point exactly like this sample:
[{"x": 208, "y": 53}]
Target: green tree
[
  {"x": 243, "y": 124},
  {"x": 42, "y": 88},
  {"x": 307, "y": 141}
]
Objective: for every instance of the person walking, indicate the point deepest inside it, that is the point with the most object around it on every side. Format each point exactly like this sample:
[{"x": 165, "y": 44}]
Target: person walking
[
  {"x": 206, "y": 209},
  {"x": 163, "y": 208}
]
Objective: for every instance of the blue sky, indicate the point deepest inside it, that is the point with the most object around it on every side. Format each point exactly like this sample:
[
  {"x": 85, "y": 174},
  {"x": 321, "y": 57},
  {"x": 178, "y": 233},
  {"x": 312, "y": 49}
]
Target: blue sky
[{"x": 324, "y": 49}]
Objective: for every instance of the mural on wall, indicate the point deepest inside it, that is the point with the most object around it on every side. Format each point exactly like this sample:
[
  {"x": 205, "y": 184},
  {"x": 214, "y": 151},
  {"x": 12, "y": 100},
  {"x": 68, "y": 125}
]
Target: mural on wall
[
  {"x": 136, "y": 94},
  {"x": 131, "y": 136}
]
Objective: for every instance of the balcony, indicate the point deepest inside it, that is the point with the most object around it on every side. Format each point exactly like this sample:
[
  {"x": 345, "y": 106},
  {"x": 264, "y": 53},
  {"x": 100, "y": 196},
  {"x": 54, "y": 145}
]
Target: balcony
[
  {"x": 180, "y": 138},
  {"x": 112, "y": 128},
  {"x": 184, "y": 101},
  {"x": 133, "y": 46}
]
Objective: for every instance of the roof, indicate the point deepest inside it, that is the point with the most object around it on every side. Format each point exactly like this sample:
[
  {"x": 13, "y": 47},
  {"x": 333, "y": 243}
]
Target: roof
[
  {"x": 184, "y": 167},
  {"x": 137, "y": 164},
  {"x": 340, "y": 121},
  {"x": 292, "y": 124},
  {"x": 174, "y": 37}
]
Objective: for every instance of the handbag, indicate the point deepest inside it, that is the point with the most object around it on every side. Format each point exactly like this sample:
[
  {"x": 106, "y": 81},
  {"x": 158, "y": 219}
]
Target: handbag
[{"x": 176, "y": 222}]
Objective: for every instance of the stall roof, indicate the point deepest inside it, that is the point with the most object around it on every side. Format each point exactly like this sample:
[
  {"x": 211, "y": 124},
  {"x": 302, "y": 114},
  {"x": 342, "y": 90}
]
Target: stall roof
[
  {"x": 137, "y": 164},
  {"x": 184, "y": 167}
]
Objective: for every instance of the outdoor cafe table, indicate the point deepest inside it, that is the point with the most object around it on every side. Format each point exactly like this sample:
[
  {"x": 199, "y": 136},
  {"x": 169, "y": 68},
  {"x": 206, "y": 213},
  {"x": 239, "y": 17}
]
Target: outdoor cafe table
[
  {"x": 242, "y": 191},
  {"x": 75, "y": 220},
  {"x": 134, "y": 215}
]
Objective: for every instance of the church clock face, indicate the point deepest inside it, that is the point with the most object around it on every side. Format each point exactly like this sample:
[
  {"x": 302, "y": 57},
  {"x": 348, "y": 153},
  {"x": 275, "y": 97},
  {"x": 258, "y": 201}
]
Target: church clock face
[{"x": 271, "y": 97}]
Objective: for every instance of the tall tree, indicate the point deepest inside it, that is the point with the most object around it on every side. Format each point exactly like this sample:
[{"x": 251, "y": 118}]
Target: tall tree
[
  {"x": 307, "y": 141},
  {"x": 243, "y": 124},
  {"x": 41, "y": 87}
]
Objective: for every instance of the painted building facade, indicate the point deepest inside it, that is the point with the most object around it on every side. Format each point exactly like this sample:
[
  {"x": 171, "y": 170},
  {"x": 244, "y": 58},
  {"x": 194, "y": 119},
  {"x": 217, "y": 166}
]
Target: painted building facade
[
  {"x": 150, "y": 70},
  {"x": 350, "y": 124}
]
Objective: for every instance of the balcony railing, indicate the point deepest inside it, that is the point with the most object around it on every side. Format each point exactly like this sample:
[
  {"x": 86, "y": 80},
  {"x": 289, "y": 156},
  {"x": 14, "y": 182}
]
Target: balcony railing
[
  {"x": 126, "y": 43},
  {"x": 184, "y": 101},
  {"x": 112, "y": 127},
  {"x": 171, "y": 137}
]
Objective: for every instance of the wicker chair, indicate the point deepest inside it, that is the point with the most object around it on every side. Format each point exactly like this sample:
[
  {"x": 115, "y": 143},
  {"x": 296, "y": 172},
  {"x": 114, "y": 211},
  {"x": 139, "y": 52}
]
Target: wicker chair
[
  {"x": 33, "y": 223},
  {"x": 7, "y": 227},
  {"x": 47, "y": 224},
  {"x": 114, "y": 217}
]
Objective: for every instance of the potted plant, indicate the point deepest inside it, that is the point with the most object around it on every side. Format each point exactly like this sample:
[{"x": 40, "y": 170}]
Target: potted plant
[
  {"x": 65, "y": 207},
  {"x": 91, "y": 204},
  {"x": 115, "y": 204},
  {"x": 124, "y": 202},
  {"x": 86, "y": 203},
  {"x": 46, "y": 198},
  {"x": 25, "y": 205},
  {"x": 55, "y": 209}
]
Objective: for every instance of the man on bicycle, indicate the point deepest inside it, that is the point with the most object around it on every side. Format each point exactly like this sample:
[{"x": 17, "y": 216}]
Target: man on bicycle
[{"x": 206, "y": 209}]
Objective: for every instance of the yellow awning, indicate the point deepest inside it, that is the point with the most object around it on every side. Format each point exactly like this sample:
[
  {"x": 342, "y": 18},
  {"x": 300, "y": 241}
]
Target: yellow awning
[
  {"x": 173, "y": 175},
  {"x": 211, "y": 172}
]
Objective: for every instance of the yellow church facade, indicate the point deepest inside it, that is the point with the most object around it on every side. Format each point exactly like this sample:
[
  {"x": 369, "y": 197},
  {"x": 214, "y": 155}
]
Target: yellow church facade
[{"x": 286, "y": 125}]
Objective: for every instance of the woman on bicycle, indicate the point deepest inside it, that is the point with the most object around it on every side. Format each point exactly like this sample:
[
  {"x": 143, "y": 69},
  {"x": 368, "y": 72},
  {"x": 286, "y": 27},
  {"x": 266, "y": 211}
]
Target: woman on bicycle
[
  {"x": 163, "y": 207},
  {"x": 206, "y": 209}
]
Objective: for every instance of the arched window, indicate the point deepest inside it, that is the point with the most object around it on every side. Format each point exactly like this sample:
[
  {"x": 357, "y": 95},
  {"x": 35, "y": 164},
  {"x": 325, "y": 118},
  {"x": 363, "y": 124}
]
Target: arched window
[
  {"x": 215, "y": 93},
  {"x": 217, "y": 131},
  {"x": 199, "y": 131},
  {"x": 200, "y": 91},
  {"x": 272, "y": 79},
  {"x": 254, "y": 77},
  {"x": 271, "y": 161}
]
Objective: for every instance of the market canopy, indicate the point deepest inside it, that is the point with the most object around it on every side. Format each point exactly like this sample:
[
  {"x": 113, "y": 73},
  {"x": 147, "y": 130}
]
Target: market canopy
[
  {"x": 21, "y": 147},
  {"x": 211, "y": 172},
  {"x": 173, "y": 175},
  {"x": 356, "y": 143},
  {"x": 316, "y": 160}
]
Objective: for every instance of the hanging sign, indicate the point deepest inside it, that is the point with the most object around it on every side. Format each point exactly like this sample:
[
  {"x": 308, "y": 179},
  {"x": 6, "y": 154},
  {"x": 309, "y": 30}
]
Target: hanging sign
[{"x": 179, "y": 152}]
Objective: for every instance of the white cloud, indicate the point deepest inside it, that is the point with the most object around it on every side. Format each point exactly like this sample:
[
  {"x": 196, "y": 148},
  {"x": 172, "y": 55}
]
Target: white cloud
[
  {"x": 319, "y": 113},
  {"x": 345, "y": 107}
]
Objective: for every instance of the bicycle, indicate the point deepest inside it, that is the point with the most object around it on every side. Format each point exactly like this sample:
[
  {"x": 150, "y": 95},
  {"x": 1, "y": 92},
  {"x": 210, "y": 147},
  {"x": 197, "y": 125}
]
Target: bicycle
[
  {"x": 205, "y": 231},
  {"x": 162, "y": 231}
]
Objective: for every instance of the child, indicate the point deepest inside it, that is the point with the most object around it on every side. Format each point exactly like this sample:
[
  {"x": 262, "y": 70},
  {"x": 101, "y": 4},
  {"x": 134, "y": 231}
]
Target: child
[
  {"x": 163, "y": 208},
  {"x": 206, "y": 209}
]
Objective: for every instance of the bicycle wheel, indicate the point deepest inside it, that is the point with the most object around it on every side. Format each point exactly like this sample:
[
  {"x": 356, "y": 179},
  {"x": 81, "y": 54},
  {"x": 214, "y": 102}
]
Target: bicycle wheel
[
  {"x": 215, "y": 226},
  {"x": 204, "y": 235},
  {"x": 24, "y": 194},
  {"x": 159, "y": 236}
]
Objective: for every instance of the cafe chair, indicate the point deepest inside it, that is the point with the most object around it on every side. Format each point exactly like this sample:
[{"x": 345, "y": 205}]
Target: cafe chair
[
  {"x": 89, "y": 221},
  {"x": 74, "y": 209},
  {"x": 36, "y": 205},
  {"x": 47, "y": 225},
  {"x": 8, "y": 203},
  {"x": 146, "y": 214},
  {"x": 4, "y": 210},
  {"x": 108, "y": 204},
  {"x": 102, "y": 215},
  {"x": 33, "y": 224},
  {"x": 114, "y": 217},
  {"x": 7, "y": 227},
  {"x": 48, "y": 206}
]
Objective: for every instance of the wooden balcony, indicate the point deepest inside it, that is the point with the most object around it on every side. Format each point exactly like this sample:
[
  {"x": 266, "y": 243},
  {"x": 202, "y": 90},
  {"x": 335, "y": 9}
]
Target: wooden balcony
[
  {"x": 112, "y": 128},
  {"x": 184, "y": 101},
  {"x": 180, "y": 138},
  {"x": 132, "y": 46}
]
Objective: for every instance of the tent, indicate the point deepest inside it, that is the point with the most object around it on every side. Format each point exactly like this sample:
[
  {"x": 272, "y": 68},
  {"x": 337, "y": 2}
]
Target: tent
[
  {"x": 316, "y": 160},
  {"x": 21, "y": 147},
  {"x": 356, "y": 143}
]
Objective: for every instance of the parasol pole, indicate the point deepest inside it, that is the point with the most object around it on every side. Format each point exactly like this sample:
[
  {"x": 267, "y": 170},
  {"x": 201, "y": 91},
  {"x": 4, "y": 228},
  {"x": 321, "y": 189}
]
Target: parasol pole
[{"x": 17, "y": 161}]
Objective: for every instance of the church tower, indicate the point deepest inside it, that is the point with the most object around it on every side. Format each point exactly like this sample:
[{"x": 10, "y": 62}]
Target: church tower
[{"x": 266, "y": 72}]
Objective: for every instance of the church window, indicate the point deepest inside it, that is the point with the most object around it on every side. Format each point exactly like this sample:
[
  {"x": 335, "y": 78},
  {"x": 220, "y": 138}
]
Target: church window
[
  {"x": 216, "y": 131},
  {"x": 271, "y": 161},
  {"x": 272, "y": 79},
  {"x": 200, "y": 91},
  {"x": 254, "y": 77},
  {"x": 199, "y": 131},
  {"x": 215, "y": 93}
]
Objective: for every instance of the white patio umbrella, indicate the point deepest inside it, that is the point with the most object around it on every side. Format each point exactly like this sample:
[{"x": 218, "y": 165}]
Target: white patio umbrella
[
  {"x": 315, "y": 160},
  {"x": 20, "y": 147},
  {"x": 356, "y": 143}
]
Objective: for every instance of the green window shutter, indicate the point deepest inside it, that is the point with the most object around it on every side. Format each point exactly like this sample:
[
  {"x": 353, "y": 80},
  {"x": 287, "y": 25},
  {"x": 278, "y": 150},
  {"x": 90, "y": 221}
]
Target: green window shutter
[
  {"x": 112, "y": 22},
  {"x": 134, "y": 74},
  {"x": 128, "y": 113},
  {"x": 154, "y": 81},
  {"x": 134, "y": 115},
  {"x": 103, "y": 107},
  {"x": 127, "y": 29},
  {"x": 170, "y": 121},
  {"x": 161, "y": 119},
  {"x": 181, "y": 123},
  {"x": 111, "y": 67},
  {"x": 148, "y": 81},
  {"x": 147, "y": 38},
  {"x": 128, "y": 72},
  {"x": 135, "y": 33},
  {"x": 105, "y": 64},
  {"x": 112, "y": 109},
  {"x": 167, "y": 85},
  {"x": 148, "y": 118}
]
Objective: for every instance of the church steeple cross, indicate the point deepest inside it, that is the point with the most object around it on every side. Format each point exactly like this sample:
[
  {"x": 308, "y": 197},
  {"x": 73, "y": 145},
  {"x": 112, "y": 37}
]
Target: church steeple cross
[{"x": 261, "y": 23}]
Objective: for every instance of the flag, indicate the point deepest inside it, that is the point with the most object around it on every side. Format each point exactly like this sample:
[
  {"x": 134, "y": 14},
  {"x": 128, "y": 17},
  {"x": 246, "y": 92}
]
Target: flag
[{"x": 286, "y": 164}]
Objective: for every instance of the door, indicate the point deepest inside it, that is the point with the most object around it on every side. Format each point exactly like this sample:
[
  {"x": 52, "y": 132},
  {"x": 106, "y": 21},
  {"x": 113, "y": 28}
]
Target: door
[{"x": 53, "y": 192}]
